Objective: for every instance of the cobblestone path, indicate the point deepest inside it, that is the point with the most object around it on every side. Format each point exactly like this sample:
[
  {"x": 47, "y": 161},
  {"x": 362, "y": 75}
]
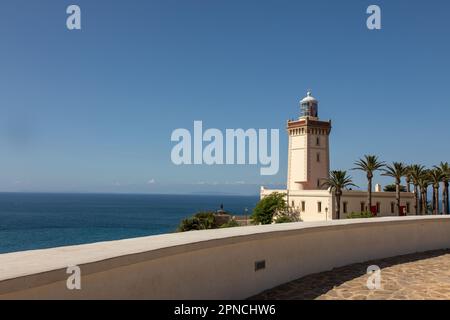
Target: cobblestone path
[{"x": 410, "y": 277}]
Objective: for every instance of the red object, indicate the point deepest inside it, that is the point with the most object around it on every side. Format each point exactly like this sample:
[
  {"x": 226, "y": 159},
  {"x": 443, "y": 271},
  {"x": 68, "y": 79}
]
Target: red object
[
  {"x": 402, "y": 211},
  {"x": 374, "y": 210}
]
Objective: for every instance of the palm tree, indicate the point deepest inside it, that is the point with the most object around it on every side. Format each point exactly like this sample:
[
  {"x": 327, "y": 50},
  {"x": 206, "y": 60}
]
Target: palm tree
[
  {"x": 336, "y": 182},
  {"x": 424, "y": 182},
  {"x": 397, "y": 170},
  {"x": 415, "y": 171},
  {"x": 436, "y": 176},
  {"x": 369, "y": 165},
  {"x": 445, "y": 168},
  {"x": 408, "y": 178}
]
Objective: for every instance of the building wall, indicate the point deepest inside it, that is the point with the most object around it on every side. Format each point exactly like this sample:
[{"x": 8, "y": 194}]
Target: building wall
[
  {"x": 308, "y": 160},
  {"x": 318, "y": 168},
  {"x": 215, "y": 264},
  {"x": 297, "y": 158},
  {"x": 356, "y": 200},
  {"x": 306, "y": 202}
]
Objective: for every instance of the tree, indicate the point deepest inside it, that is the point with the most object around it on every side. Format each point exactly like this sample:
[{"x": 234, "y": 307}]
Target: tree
[
  {"x": 268, "y": 207},
  {"x": 369, "y": 165},
  {"x": 337, "y": 182},
  {"x": 397, "y": 170},
  {"x": 415, "y": 171},
  {"x": 200, "y": 221},
  {"x": 436, "y": 177},
  {"x": 408, "y": 179},
  {"x": 424, "y": 181},
  {"x": 445, "y": 168}
]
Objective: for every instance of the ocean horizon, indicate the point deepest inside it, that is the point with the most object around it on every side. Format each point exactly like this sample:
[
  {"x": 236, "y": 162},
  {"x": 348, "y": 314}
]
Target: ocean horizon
[{"x": 30, "y": 221}]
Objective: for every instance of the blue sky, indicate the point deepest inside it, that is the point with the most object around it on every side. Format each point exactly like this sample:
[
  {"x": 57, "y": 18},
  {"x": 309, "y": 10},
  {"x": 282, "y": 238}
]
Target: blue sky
[{"x": 93, "y": 110}]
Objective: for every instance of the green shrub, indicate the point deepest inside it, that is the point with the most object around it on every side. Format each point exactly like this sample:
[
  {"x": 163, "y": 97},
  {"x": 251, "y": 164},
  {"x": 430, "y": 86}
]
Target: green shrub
[
  {"x": 189, "y": 225},
  {"x": 230, "y": 224},
  {"x": 200, "y": 221},
  {"x": 359, "y": 215},
  {"x": 267, "y": 207},
  {"x": 284, "y": 219}
]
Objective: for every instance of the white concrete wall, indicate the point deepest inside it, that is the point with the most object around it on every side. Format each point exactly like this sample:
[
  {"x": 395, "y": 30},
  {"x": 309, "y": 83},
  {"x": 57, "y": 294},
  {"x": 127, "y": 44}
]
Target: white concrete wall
[{"x": 215, "y": 264}]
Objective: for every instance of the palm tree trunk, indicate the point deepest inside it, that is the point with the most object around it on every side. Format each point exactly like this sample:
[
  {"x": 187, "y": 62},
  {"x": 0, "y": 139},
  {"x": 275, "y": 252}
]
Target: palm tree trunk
[
  {"x": 443, "y": 202},
  {"x": 425, "y": 201},
  {"x": 397, "y": 196},
  {"x": 338, "y": 205},
  {"x": 436, "y": 204},
  {"x": 421, "y": 201},
  {"x": 369, "y": 194},
  {"x": 434, "y": 201},
  {"x": 446, "y": 205},
  {"x": 416, "y": 199}
]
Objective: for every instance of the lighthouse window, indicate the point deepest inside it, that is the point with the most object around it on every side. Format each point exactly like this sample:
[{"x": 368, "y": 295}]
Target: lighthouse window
[
  {"x": 318, "y": 141},
  {"x": 318, "y": 157}
]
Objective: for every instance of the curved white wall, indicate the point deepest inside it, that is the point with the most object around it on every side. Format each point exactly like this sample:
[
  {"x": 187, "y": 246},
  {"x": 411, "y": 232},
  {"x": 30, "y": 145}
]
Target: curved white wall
[{"x": 215, "y": 264}]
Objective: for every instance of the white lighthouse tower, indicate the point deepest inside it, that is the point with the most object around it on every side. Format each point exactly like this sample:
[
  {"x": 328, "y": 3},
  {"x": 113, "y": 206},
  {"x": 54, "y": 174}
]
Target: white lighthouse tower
[
  {"x": 309, "y": 153},
  {"x": 309, "y": 166}
]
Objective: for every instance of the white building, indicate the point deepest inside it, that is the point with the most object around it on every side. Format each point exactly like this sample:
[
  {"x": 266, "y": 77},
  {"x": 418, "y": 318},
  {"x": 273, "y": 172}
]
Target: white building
[{"x": 309, "y": 165}]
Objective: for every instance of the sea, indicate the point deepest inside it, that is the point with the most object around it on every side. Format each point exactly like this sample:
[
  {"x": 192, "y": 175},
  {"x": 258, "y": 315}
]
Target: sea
[{"x": 31, "y": 221}]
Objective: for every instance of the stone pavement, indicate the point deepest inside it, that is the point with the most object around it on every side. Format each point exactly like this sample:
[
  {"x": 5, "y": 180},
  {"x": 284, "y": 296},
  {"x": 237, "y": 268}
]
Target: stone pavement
[{"x": 411, "y": 277}]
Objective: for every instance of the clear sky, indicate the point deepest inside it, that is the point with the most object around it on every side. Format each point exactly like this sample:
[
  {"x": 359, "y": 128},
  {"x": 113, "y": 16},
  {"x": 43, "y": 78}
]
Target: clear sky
[{"x": 93, "y": 110}]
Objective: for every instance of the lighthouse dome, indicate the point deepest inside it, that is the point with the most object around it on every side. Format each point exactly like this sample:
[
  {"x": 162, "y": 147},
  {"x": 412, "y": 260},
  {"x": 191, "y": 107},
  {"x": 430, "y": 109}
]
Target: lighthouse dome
[
  {"x": 308, "y": 98},
  {"x": 309, "y": 106}
]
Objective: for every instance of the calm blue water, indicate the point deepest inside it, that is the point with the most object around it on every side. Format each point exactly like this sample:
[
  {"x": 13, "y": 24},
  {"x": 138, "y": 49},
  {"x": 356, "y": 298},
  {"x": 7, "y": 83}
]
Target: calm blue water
[{"x": 35, "y": 221}]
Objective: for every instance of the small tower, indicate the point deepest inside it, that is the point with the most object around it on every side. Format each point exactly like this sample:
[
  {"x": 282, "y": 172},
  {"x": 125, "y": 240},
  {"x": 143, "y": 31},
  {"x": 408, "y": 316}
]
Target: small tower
[{"x": 309, "y": 153}]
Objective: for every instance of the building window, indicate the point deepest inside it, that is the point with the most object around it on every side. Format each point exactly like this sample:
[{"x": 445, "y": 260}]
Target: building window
[
  {"x": 345, "y": 206},
  {"x": 378, "y": 207},
  {"x": 363, "y": 206},
  {"x": 318, "y": 157},
  {"x": 319, "y": 207},
  {"x": 303, "y": 206},
  {"x": 318, "y": 183},
  {"x": 317, "y": 141},
  {"x": 392, "y": 207},
  {"x": 407, "y": 207}
]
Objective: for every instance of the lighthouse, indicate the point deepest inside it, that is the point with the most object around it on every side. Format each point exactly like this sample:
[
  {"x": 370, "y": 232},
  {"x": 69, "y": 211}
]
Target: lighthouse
[
  {"x": 309, "y": 152},
  {"x": 309, "y": 166}
]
